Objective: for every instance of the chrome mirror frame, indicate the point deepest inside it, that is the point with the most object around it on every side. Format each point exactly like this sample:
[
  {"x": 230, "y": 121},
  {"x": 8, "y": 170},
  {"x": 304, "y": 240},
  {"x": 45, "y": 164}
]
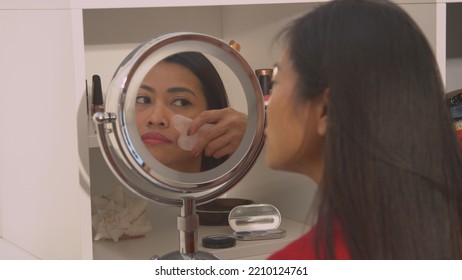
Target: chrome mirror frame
[{"x": 145, "y": 175}]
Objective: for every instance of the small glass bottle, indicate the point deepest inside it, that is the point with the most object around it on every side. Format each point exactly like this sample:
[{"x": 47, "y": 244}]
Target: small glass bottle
[{"x": 264, "y": 78}]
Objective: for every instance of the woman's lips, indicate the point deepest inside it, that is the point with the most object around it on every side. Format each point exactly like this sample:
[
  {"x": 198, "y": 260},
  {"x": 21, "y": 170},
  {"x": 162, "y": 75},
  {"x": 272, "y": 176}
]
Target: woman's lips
[{"x": 152, "y": 138}]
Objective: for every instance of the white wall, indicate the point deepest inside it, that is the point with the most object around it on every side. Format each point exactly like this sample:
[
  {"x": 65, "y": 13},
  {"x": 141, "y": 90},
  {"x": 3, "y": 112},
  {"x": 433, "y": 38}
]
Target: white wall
[{"x": 41, "y": 196}]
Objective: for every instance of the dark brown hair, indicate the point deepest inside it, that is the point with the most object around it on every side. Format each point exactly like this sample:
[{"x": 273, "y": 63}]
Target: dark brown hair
[{"x": 393, "y": 165}]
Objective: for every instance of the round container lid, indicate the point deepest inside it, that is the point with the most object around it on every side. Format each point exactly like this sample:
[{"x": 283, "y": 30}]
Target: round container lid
[
  {"x": 218, "y": 241},
  {"x": 254, "y": 217}
]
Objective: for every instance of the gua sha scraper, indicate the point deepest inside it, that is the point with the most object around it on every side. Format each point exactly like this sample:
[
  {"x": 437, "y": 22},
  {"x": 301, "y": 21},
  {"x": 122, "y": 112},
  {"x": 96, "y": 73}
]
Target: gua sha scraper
[{"x": 181, "y": 123}]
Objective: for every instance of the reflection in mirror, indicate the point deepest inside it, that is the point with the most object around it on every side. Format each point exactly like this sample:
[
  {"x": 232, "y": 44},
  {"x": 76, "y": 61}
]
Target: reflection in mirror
[{"x": 185, "y": 93}]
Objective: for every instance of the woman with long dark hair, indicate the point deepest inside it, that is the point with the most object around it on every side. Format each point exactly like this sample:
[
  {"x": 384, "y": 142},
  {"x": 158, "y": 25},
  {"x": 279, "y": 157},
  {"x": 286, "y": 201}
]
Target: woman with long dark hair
[{"x": 358, "y": 105}]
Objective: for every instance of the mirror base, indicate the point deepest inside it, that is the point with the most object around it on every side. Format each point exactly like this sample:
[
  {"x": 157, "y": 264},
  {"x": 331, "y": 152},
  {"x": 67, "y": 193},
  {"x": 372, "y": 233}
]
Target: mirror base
[{"x": 176, "y": 255}]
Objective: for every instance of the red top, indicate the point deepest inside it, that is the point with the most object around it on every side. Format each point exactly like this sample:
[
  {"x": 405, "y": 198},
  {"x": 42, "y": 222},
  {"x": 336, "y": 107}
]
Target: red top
[{"x": 304, "y": 248}]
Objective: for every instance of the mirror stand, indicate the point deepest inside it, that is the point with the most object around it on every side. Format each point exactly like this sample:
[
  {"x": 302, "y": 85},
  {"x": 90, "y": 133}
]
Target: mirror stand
[{"x": 188, "y": 222}]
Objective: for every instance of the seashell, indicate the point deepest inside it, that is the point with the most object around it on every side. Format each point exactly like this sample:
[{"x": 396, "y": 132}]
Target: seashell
[{"x": 119, "y": 216}]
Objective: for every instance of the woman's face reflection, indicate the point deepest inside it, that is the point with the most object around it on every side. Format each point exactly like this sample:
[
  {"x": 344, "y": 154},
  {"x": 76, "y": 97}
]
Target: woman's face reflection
[{"x": 168, "y": 89}]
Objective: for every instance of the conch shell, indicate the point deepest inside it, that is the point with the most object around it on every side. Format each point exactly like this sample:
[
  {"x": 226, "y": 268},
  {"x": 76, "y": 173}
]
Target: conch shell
[{"x": 119, "y": 216}]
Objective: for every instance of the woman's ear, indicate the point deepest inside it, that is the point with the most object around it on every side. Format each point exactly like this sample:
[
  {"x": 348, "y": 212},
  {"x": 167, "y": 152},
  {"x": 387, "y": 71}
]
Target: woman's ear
[{"x": 322, "y": 112}]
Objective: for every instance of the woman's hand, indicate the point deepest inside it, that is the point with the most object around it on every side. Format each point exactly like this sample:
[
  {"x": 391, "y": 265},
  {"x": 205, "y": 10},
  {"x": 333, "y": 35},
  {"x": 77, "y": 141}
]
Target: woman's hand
[{"x": 224, "y": 137}]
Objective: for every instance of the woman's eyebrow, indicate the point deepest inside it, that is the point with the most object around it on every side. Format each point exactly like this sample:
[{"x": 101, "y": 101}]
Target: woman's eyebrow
[
  {"x": 170, "y": 90},
  {"x": 148, "y": 88},
  {"x": 180, "y": 89}
]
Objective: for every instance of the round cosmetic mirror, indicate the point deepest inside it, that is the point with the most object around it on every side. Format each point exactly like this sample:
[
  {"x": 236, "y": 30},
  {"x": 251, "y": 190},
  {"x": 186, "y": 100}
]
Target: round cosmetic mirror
[{"x": 120, "y": 127}]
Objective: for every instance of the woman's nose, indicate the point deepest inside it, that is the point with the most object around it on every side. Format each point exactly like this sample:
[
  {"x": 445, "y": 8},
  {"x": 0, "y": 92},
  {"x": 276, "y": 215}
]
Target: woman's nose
[{"x": 159, "y": 117}]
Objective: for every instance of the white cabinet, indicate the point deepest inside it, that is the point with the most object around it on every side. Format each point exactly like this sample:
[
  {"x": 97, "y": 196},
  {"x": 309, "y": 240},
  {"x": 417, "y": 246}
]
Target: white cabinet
[
  {"x": 44, "y": 198},
  {"x": 47, "y": 163},
  {"x": 107, "y": 42}
]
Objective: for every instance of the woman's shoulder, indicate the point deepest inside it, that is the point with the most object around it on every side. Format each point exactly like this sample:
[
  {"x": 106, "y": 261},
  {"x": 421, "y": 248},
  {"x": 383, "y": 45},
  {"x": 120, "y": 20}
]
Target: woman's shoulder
[
  {"x": 301, "y": 249},
  {"x": 304, "y": 248}
]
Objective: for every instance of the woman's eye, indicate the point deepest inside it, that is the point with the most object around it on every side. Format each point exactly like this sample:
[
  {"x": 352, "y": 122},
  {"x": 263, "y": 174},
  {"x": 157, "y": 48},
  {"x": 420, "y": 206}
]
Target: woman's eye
[
  {"x": 143, "y": 100},
  {"x": 181, "y": 102}
]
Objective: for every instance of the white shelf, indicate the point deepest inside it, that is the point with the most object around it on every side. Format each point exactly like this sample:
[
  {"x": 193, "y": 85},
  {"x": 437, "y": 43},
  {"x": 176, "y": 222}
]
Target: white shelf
[
  {"x": 218, "y": 22},
  {"x": 164, "y": 239}
]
